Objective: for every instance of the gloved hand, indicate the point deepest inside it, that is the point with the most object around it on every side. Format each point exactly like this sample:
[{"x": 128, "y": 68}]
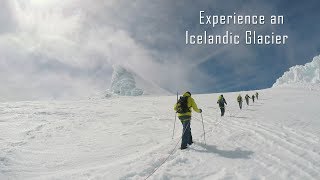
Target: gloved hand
[{"x": 200, "y": 110}]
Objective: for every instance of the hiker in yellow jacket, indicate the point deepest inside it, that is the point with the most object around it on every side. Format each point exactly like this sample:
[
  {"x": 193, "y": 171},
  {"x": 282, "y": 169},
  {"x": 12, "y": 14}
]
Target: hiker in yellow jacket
[
  {"x": 184, "y": 107},
  {"x": 239, "y": 99}
]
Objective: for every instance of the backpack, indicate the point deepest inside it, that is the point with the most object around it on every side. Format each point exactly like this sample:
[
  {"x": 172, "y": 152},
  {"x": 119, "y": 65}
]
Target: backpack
[
  {"x": 182, "y": 105},
  {"x": 221, "y": 102}
]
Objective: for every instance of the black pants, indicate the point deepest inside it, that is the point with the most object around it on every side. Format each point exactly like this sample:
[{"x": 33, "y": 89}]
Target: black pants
[
  {"x": 222, "y": 111},
  {"x": 240, "y": 104},
  {"x": 186, "y": 132},
  {"x": 247, "y": 100}
]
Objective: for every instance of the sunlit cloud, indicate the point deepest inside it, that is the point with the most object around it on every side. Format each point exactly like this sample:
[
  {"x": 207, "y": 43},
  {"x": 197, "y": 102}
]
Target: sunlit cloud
[{"x": 72, "y": 45}]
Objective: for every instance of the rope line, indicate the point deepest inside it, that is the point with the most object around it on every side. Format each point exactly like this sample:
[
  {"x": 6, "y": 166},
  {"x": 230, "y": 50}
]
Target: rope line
[{"x": 175, "y": 147}]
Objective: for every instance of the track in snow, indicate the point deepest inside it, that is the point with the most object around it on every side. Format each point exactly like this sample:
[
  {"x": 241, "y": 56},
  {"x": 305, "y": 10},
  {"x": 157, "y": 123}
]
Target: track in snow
[{"x": 119, "y": 138}]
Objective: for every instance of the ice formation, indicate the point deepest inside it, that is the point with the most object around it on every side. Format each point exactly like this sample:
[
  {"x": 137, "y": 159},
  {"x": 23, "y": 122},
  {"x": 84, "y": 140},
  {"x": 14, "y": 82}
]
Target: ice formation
[
  {"x": 123, "y": 82},
  {"x": 301, "y": 74}
]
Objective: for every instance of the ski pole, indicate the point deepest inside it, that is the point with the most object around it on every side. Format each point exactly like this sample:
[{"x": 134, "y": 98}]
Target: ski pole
[
  {"x": 204, "y": 133},
  {"x": 174, "y": 125},
  {"x": 175, "y": 118}
]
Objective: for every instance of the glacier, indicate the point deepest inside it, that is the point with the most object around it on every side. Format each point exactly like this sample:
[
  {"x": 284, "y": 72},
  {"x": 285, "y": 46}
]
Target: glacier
[
  {"x": 276, "y": 137},
  {"x": 126, "y": 138}
]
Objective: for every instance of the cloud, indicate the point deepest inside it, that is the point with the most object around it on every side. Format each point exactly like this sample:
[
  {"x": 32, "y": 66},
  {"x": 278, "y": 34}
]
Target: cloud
[
  {"x": 53, "y": 48},
  {"x": 64, "y": 40},
  {"x": 58, "y": 50},
  {"x": 5, "y": 17}
]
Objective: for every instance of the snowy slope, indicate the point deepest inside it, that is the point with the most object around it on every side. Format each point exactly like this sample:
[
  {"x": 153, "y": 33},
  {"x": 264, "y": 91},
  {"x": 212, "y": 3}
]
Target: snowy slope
[
  {"x": 301, "y": 74},
  {"x": 129, "y": 137}
]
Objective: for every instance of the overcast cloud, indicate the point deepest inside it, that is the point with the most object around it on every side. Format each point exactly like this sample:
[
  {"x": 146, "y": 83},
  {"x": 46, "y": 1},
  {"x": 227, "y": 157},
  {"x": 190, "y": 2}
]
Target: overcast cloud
[{"x": 53, "y": 49}]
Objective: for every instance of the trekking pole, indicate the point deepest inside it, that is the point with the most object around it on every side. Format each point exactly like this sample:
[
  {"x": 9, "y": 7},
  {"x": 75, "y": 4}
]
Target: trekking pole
[
  {"x": 174, "y": 125},
  {"x": 204, "y": 133},
  {"x": 175, "y": 118}
]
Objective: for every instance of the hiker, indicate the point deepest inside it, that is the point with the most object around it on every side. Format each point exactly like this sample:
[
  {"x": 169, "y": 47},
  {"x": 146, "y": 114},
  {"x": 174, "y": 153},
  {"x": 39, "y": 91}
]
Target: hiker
[
  {"x": 239, "y": 99},
  {"x": 183, "y": 108},
  {"x": 253, "y": 98},
  {"x": 247, "y": 97},
  {"x": 257, "y": 94},
  {"x": 221, "y": 101}
]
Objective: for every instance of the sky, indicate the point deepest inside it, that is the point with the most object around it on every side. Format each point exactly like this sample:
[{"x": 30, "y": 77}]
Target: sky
[{"x": 52, "y": 49}]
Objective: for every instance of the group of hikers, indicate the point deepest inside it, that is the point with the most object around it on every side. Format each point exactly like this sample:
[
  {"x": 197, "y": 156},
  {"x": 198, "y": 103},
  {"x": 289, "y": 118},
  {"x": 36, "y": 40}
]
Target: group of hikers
[
  {"x": 186, "y": 103},
  {"x": 247, "y": 97}
]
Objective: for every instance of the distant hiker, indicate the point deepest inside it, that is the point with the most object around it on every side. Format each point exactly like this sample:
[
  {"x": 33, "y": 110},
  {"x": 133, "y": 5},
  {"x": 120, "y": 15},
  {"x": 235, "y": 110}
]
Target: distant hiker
[
  {"x": 183, "y": 108},
  {"x": 247, "y": 97},
  {"x": 257, "y": 94},
  {"x": 252, "y": 98},
  {"x": 239, "y": 99},
  {"x": 221, "y": 101}
]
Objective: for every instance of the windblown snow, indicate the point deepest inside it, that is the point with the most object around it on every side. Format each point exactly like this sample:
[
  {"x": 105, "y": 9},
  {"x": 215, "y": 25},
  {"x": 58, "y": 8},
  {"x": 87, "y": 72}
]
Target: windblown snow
[
  {"x": 301, "y": 74},
  {"x": 277, "y": 137}
]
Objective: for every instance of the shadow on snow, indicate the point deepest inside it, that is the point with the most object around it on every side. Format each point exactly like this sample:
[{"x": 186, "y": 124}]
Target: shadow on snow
[
  {"x": 239, "y": 117},
  {"x": 232, "y": 154}
]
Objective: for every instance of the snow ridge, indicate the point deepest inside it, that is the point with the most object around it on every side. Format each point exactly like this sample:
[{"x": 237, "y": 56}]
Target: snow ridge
[{"x": 301, "y": 74}]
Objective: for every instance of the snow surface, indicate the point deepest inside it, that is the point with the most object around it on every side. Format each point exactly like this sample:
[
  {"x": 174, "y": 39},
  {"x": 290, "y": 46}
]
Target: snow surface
[
  {"x": 277, "y": 137},
  {"x": 126, "y": 83},
  {"x": 301, "y": 74}
]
